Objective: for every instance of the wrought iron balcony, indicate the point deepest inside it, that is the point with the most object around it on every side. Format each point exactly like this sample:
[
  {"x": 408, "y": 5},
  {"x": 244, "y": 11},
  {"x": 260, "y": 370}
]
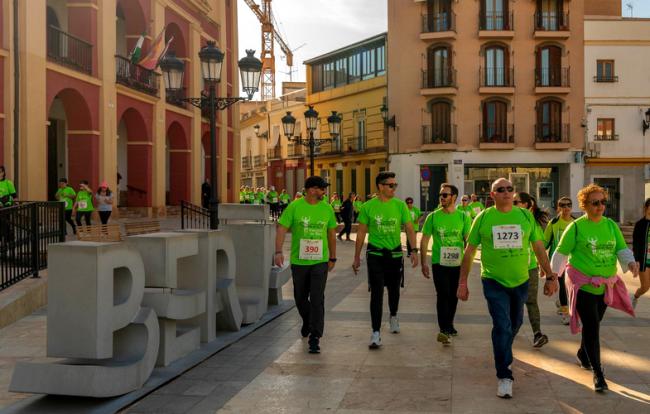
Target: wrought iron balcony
[
  {"x": 439, "y": 134},
  {"x": 496, "y": 77},
  {"x": 246, "y": 162},
  {"x": 552, "y": 77},
  {"x": 295, "y": 151},
  {"x": 135, "y": 76},
  {"x": 438, "y": 22},
  {"x": 606, "y": 78},
  {"x": 274, "y": 153},
  {"x": 259, "y": 160},
  {"x": 356, "y": 144},
  {"x": 551, "y": 22},
  {"x": 68, "y": 50},
  {"x": 496, "y": 133},
  {"x": 552, "y": 133},
  {"x": 497, "y": 21},
  {"x": 174, "y": 97},
  {"x": 606, "y": 137},
  {"x": 439, "y": 78}
]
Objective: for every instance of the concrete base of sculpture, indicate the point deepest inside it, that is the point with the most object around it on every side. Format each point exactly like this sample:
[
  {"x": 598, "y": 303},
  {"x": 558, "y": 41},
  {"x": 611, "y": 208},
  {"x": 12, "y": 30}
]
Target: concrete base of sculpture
[{"x": 279, "y": 277}]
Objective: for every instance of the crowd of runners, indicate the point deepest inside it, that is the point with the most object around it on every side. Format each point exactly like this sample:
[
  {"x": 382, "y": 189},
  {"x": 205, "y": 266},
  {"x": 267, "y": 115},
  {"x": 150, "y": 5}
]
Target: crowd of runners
[{"x": 521, "y": 247}]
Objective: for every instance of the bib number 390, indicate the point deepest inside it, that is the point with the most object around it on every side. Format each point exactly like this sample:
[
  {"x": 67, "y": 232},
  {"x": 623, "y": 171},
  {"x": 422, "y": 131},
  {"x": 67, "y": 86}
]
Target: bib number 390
[
  {"x": 311, "y": 249},
  {"x": 507, "y": 237}
]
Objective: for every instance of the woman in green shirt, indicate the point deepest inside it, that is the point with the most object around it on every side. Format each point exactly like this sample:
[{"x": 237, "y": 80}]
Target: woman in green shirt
[
  {"x": 552, "y": 236},
  {"x": 7, "y": 189},
  {"x": 415, "y": 218},
  {"x": 83, "y": 204}
]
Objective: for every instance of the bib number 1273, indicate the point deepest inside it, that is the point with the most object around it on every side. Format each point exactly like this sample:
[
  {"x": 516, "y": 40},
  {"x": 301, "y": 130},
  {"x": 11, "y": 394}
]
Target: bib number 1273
[{"x": 507, "y": 237}]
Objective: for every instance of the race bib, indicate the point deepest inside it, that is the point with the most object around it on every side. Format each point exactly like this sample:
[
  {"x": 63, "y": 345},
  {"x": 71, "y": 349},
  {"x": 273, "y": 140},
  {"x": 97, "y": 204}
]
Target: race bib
[
  {"x": 256, "y": 201},
  {"x": 337, "y": 209},
  {"x": 83, "y": 205},
  {"x": 274, "y": 200},
  {"x": 450, "y": 256},
  {"x": 311, "y": 249},
  {"x": 507, "y": 237}
]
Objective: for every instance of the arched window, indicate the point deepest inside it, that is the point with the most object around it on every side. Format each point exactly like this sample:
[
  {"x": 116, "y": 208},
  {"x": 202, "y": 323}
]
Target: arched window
[
  {"x": 438, "y": 15},
  {"x": 494, "y": 15},
  {"x": 549, "y": 121},
  {"x": 439, "y": 67},
  {"x": 550, "y": 15},
  {"x": 441, "y": 129},
  {"x": 549, "y": 66},
  {"x": 496, "y": 66},
  {"x": 495, "y": 121}
]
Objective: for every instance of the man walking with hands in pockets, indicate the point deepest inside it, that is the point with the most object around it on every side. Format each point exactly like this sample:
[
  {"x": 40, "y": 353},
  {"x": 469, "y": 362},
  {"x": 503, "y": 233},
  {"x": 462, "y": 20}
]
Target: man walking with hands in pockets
[
  {"x": 505, "y": 234},
  {"x": 382, "y": 218},
  {"x": 313, "y": 254}
]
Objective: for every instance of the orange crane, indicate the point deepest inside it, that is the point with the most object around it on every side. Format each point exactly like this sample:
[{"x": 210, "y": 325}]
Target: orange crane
[{"x": 270, "y": 35}]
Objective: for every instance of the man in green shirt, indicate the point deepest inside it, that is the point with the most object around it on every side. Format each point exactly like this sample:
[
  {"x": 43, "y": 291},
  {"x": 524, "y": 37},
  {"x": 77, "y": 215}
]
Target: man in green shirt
[
  {"x": 7, "y": 189},
  {"x": 449, "y": 228},
  {"x": 313, "y": 254},
  {"x": 505, "y": 234},
  {"x": 476, "y": 206},
  {"x": 273, "y": 199},
  {"x": 415, "y": 219},
  {"x": 84, "y": 203},
  {"x": 66, "y": 195},
  {"x": 382, "y": 219},
  {"x": 285, "y": 199},
  {"x": 464, "y": 206}
]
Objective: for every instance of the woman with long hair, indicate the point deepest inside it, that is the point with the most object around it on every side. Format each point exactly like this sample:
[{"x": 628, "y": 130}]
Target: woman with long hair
[
  {"x": 641, "y": 247},
  {"x": 104, "y": 199},
  {"x": 526, "y": 201}
]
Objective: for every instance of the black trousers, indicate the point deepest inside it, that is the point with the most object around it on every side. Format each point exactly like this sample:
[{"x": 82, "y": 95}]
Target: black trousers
[
  {"x": 84, "y": 214},
  {"x": 309, "y": 293},
  {"x": 562, "y": 293},
  {"x": 383, "y": 271},
  {"x": 446, "y": 281},
  {"x": 591, "y": 309},
  {"x": 347, "y": 228},
  {"x": 275, "y": 210},
  {"x": 104, "y": 215},
  {"x": 68, "y": 219}
]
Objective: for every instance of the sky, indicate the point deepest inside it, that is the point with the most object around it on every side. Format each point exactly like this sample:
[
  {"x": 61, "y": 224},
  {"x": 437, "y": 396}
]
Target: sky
[{"x": 315, "y": 27}]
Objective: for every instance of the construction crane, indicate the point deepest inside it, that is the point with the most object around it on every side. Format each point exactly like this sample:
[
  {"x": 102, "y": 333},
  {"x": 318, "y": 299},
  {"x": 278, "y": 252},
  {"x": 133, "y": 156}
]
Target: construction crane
[{"x": 270, "y": 35}]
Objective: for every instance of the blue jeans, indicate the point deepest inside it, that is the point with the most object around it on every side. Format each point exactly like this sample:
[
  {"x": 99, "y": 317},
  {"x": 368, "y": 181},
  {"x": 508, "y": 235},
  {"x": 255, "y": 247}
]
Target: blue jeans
[{"x": 506, "y": 306}]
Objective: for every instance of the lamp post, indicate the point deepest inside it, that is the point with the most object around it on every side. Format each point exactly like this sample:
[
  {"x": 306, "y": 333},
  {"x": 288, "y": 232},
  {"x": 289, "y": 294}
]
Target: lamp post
[
  {"x": 646, "y": 121},
  {"x": 211, "y": 58},
  {"x": 311, "y": 121}
]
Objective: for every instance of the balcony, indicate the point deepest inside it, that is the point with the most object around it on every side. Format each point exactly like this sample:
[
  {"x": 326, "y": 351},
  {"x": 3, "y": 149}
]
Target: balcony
[
  {"x": 552, "y": 80},
  {"x": 259, "y": 161},
  {"x": 70, "y": 51},
  {"x": 606, "y": 137},
  {"x": 439, "y": 81},
  {"x": 274, "y": 153},
  {"x": 552, "y": 136},
  {"x": 173, "y": 97},
  {"x": 356, "y": 144},
  {"x": 497, "y": 136},
  {"x": 295, "y": 151},
  {"x": 246, "y": 162},
  {"x": 605, "y": 78},
  {"x": 496, "y": 26},
  {"x": 438, "y": 26},
  {"x": 551, "y": 25},
  {"x": 496, "y": 81},
  {"x": 439, "y": 137},
  {"x": 135, "y": 76}
]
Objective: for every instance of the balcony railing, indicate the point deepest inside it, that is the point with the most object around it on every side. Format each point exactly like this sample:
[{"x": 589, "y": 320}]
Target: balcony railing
[
  {"x": 246, "y": 162},
  {"x": 259, "y": 160},
  {"x": 173, "y": 97},
  {"x": 439, "y": 134},
  {"x": 551, "y": 22},
  {"x": 438, "y": 22},
  {"x": 497, "y": 21},
  {"x": 295, "y": 151},
  {"x": 135, "y": 76},
  {"x": 606, "y": 78},
  {"x": 68, "y": 50},
  {"x": 274, "y": 153},
  {"x": 356, "y": 144},
  {"x": 496, "y": 77},
  {"x": 439, "y": 78},
  {"x": 552, "y": 77},
  {"x": 496, "y": 133},
  {"x": 552, "y": 133},
  {"x": 606, "y": 137}
]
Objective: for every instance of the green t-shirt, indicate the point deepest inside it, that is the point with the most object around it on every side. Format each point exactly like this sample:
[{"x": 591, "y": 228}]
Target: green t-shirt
[
  {"x": 553, "y": 234},
  {"x": 242, "y": 196},
  {"x": 249, "y": 196},
  {"x": 284, "y": 198},
  {"x": 357, "y": 205},
  {"x": 7, "y": 189},
  {"x": 594, "y": 250},
  {"x": 475, "y": 208},
  {"x": 384, "y": 221},
  {"x": 504, "y": 258},
  {"x": 309, "y": 224},
  {"x": 465, "y": 209},
  {"x": 84, "y": 201},
  {"x": 449, "y": 231},
  {"x": 272, "y": 197},
  {"x": 336, "y": 205},
  {"x": 67, "y": 196},
  {"x": 415, "y": 217}
]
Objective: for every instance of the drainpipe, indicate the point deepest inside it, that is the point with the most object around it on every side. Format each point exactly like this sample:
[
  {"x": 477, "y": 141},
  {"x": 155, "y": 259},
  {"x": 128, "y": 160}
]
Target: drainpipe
[{"x": 16, "y": 99}]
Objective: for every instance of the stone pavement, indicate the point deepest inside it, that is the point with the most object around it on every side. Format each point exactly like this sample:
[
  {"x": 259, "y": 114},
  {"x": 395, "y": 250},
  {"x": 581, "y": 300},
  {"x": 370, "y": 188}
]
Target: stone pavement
[{"x": 270, "y": 371}]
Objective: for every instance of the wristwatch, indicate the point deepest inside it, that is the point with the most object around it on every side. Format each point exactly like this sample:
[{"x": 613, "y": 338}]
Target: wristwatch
[
  {"x": 333, "y": 259},
  {"x": 415, "y": 250}
]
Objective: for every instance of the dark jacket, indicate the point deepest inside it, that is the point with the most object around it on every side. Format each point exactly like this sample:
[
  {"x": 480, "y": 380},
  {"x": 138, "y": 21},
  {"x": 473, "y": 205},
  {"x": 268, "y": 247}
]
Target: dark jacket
[
  {"x": 640, "y": 242},
  {"x": 347, "y": 210}
]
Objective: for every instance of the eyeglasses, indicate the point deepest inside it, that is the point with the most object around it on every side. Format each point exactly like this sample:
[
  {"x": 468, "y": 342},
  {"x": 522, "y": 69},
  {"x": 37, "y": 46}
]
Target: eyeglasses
[
  {"x": 409, "y": 202},
  {"x": 445, "y": 195},
  {"x": 563, "y": 205},
  {"x": 391, "y": 185},
  {"x": 464, "y": 200},
  {"x": 597, "y": 203},
  {"x": 504, "y": 189}
]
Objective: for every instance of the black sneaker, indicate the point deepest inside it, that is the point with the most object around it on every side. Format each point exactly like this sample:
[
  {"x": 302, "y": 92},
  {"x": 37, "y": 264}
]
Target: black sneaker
[
  {"x": 453, "y": 332},
  {"x": 600, "y": 385},
  {"x": 304, "y": 331},
  {"x": 540, "y": 340},
  {"x": 583, "y": 360},
  {"x": 314, "y": 347}
]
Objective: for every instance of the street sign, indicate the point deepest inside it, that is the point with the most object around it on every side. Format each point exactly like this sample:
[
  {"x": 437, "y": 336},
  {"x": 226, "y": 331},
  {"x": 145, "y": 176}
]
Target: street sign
[{"x": 425, "y": 173}]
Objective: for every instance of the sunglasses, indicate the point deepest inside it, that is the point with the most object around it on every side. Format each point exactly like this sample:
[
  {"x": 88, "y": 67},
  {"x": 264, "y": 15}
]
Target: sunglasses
[
  {"x": 504, "y": 189},
  {"x": 563, "y": 205},
  {"x": 517, "y": 202},
  {"x": 391, "y": 185},
  {"x": 597, "y": 203},
  {"x": 445, "y": 195},
  {"x": 464, "y": 200}
]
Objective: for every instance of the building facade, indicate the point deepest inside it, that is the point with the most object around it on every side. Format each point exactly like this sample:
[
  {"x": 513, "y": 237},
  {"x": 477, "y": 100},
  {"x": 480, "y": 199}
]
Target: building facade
[
  {"x": 253, "y": 132},
  {"x": 617, "y": 154},
  {"x": 86, "y": 112},
  {"x": 486, "y": 89},
  {"x": 353, "y": 82}
]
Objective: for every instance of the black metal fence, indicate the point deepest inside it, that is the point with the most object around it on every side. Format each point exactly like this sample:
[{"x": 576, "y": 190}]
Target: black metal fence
[
  {"x": 136, "y": 76},
  {"x": 194, "y": 217},
  {"x": 68, "y": 50},
  {"x": 26, "y": 230}
]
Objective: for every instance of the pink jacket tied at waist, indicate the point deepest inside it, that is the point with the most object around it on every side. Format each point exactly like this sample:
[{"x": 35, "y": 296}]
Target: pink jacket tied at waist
[{"x": 616, "y": 294}]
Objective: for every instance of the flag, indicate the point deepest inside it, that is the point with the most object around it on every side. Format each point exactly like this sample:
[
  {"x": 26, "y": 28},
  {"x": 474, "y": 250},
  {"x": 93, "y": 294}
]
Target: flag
[
  {"x": 158, "y": 50},
  {"x": 136, "y": 54}
]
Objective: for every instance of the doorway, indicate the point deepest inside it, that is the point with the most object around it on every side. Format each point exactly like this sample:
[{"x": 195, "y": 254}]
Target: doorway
[
  {"x": 431, "y": 177},
  {"x": 613, "y": 187},
  {"x": 56, "y": 156}
]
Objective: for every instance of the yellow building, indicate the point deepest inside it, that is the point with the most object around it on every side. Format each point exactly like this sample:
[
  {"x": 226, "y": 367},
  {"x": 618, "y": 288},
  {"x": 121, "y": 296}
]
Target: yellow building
[{"x": 351, "y": 81}]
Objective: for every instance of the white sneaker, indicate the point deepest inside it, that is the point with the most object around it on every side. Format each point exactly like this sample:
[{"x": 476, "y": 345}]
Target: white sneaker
[
  {"x": 504, "y": 388},
  {"x": 375, "y": 340},
  {"x": 565, "y": 318},
  {"x": 394, "y": 324},
  {"x": 635, "y": 300}
]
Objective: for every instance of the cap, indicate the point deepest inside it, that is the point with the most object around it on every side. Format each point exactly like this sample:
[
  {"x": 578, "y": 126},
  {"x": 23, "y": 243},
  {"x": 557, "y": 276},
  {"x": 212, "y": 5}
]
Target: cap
[{"x": 316, "y": 181}]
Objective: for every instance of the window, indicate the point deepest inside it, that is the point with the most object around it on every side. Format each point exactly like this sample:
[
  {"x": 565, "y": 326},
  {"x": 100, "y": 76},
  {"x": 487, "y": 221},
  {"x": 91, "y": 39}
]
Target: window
[
  {"x": 369, "y": 61},
  {"x": 366, "y": 183},
  {"x": 381, "y": 60},
  {"x": 495, "y": 122},
  {"x": 355, "y": 68},
  {"x": 494, "y": 15},
  {"x": 549, "y": 66},
  {"x": 353, "y": 180},
  {"x": 605, "y": 71},
  {"x": 341, "y": 71},
  {"x": 495, "y": 66},
  {"x": 439, "y": 72},
  {"x": 549, "y": 121},
  {"x": 550, "y": 15},
  {"x": 438, "y": 15},
  {"x": 328, "y": 75},
  {"x": 440, "y": 123},
  {"x": 605, "y": 129},
  {"x": 317, "y": 78},
  {"x": 361, "y": 134}
]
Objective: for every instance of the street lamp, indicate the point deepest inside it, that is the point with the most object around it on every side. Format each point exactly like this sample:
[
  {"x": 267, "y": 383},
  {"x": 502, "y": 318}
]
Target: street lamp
[
  {"x": 384, "y": 115},
  {"x": 264, "y": 134},
  {"x": 311, "y": 121},
  {"x": 646, "y": 121},
  {"x": 211, "y": 63}
]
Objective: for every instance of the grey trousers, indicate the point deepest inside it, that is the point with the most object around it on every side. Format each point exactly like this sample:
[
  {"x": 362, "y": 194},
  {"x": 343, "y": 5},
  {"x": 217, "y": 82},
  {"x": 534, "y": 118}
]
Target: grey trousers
[{"x": 531, "y": 302}]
